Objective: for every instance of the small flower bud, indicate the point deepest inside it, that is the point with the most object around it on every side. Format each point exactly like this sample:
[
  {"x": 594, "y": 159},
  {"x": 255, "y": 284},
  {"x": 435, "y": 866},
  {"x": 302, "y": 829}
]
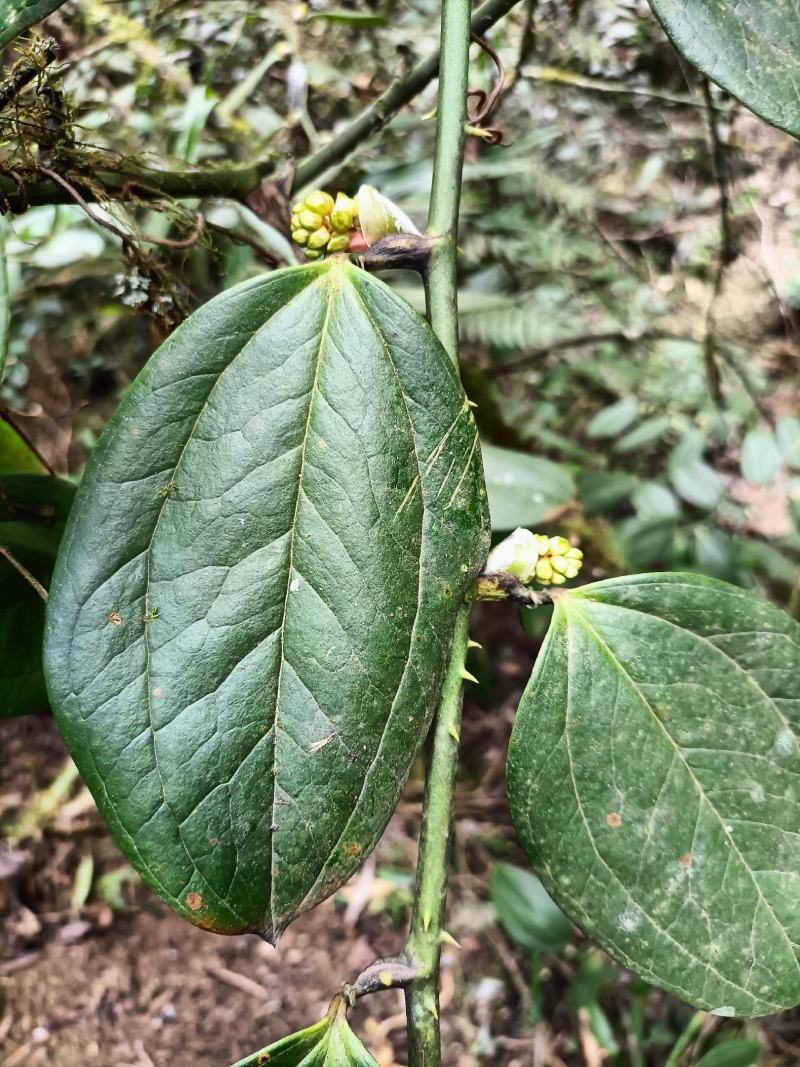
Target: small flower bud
[
  {"x": 340, "y": 242},
  {"x": 320, "y": 201},
  {"x": 312, "y": 254},
  {"x": 319, "y": 238},
  {"x": 528, "y": 556},
  {"x": 310, "y": 220},
  {"x": 544, "y": 571},
  {"x": 379, "y": 217},
  {"x": 344, "y": 214},
  {"x": 517, "y": 555},
  {"x": 300, "y": 236}
]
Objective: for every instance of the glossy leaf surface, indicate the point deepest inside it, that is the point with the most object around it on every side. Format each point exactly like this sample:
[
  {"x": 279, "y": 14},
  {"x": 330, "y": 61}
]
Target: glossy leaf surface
[
  {"x": 254, "y": 603},
  {"x": 33, "y": 511},
  {"x": 18, "y": 15},
  {"x": 749, "y": 47},
  {"x": 654, "y": 782}
]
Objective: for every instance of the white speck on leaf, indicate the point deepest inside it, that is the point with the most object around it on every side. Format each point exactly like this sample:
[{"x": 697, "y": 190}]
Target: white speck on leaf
[{"x": 294, "y": 585}]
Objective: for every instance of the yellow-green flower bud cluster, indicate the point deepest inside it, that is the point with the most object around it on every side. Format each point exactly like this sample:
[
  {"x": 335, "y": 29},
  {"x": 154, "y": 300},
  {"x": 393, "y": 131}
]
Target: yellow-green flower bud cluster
[
  {"x": 323, "y": 225},
  {"x": 558, "y": 561},
  {"x": 535, "y": 557}
]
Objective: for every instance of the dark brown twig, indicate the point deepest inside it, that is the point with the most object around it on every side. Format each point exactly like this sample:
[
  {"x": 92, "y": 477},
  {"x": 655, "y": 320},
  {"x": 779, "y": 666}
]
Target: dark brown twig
[
  {"x": 37, "y": 586},
  {"x": 245, "y": 239},
  {"x": 727, "y": 250},
  {"x": 126, "y": 237},
  {"x": 42, "y": 55},
  {"x": 535, "y": 355}
]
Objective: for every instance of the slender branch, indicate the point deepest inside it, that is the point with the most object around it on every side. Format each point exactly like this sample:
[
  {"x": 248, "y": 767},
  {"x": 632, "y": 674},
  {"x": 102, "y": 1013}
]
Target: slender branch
[
  {"x": 424, "y": 943},
  {"x": 37, "y": 586},
  {"x": 601, "y": 85},
  {"x": 43, "y": 53},
  {"x": 237, "y": 182},
  {"x": 124, "y": 235},
  {"x": 727, "y": 249},
  {"x": 534, "y": 356}
]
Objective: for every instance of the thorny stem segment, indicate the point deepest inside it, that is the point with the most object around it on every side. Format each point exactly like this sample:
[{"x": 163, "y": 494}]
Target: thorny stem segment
[
  {"x": 447, "y": 168},
  {"x": 424, "y": 943}
]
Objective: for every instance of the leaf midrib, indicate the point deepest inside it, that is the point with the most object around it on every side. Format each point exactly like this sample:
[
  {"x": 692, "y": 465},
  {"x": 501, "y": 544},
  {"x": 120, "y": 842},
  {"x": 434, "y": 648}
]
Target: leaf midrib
[
  {"x": 331, "y": 293},
  {"x": 683, "y": 948},
  {"x": 695, "y": 780},
  {"x": 148, "y": 553}
]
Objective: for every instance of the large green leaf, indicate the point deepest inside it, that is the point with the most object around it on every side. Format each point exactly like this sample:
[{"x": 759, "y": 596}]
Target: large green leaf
[
  {"x": 749, "y": 47},
  {"x": 18, "y": 15},
  {"x": 328, "y": 1043},
  {"x": 33, "y": 511},
  {"x": 524, "y": 490},
  {"x": 252, "y": 608},
  {"x": 654, "y": 781}
]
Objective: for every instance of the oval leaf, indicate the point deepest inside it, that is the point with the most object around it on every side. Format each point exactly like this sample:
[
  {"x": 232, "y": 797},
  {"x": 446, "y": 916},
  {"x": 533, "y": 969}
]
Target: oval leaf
[
  {"x": 250, "y": 614},
  {"x": 761, "y": 457},
  {"x": 750, "y": 49},
  {"x": 653, "y": 778},
  {"x": 524, "y": 490},
  {"x": 527, "y": 912}
]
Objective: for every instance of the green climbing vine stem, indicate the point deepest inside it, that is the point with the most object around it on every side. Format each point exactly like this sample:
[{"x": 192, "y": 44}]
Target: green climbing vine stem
[
  {"x": 425, "y": 939},
  {"x": 448, "y": 163}
]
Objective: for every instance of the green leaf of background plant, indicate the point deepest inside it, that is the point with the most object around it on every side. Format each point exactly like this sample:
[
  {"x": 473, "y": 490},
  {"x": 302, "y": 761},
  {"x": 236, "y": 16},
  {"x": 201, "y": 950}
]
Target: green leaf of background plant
[
  {"x": 362, "y": 19},
  {"x": 523, "y": 490},
  {"x": 18, "y": 15},
  {"x": 652, "y": 776},
  {"x": 695, "y": 481},
  {"x": 614, "y": 419},
  {"x": 738, "y": 1052},
  {"x": 761, "y": 457},
  {"x": 257, "y": 591},
  {"x": 328, "y": 1043},
  {"x": 16, "y": 455},
  {"x": 787, "y": 432},
  {"x": 526, "y": 910},
  {"x": 33, "y": 511},
  {"x": 748, "y": 48}
]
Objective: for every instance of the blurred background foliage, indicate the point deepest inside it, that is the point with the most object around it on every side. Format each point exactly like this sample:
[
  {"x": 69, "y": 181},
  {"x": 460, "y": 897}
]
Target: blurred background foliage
[
  {"x": 630, "y": 299},
  {"x": 613, "y": 322}
]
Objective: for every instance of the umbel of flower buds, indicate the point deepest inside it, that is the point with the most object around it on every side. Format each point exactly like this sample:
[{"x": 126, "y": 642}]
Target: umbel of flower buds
[
  {"x": 535, "y": 557},
  {"x": 322, "y": 225}
]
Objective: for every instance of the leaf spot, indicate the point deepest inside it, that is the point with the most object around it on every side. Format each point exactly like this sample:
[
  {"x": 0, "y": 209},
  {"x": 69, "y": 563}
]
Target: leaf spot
[
  {"x": 318, "y": 745},
  {"x": 686, "y": 860},
  {"x": 614, "y": 820},
  {"x": 294, "y": 585},
  {"x": 194, "y": 901},
  {"x": 114, "y": 618}
]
